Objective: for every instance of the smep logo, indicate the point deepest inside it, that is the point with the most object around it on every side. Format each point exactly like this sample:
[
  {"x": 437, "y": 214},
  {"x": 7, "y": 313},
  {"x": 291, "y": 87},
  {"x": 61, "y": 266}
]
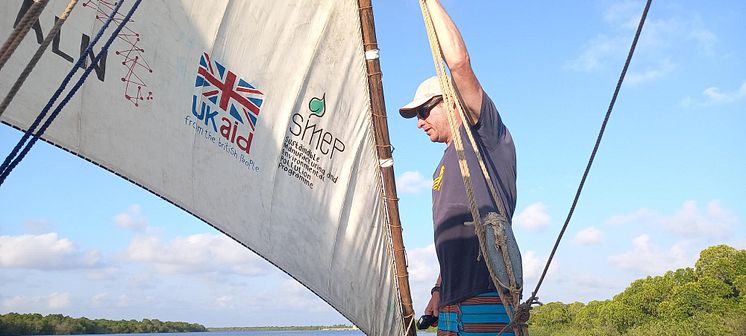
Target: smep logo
[
  {"x": 222, "y": 97},
  {"x": 318, "y": 138}
]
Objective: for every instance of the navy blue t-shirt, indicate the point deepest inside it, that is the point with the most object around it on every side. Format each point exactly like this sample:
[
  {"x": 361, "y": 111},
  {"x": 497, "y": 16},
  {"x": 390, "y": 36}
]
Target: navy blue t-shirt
[{"x": 456, "y": 243}]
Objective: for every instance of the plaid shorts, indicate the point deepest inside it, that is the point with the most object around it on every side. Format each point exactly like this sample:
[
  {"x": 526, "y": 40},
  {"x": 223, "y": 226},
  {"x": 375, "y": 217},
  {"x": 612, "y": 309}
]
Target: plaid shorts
[{"x": 481, "y": 315}]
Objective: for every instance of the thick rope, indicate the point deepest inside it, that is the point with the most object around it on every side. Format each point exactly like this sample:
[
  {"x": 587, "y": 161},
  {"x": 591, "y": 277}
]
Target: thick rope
[
  {"x": 20, "y": 31},
  {"x": 595, "y": 149},
  {"x": 75, "y": 88},
  {"x": 30, "y": 131},
  {"x": 452, "y": 102},
  {"x": 37, "y": 56}
]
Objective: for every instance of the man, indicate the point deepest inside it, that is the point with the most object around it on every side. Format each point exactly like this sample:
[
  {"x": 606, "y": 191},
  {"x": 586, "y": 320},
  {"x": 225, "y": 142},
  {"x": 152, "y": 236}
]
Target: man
[{"x": 464, "y": 297}]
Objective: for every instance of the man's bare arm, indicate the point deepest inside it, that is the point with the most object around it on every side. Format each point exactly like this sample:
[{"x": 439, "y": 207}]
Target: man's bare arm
[{"x": 457, "y": 57}]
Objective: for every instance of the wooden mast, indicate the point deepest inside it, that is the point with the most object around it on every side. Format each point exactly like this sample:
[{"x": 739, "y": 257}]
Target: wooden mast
[{"x": 383, "y": 146}]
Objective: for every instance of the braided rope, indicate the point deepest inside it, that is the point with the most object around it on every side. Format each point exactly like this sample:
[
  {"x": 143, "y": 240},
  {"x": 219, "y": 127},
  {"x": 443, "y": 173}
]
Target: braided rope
[
  {"x": 595, "y": 147},
  {"x": 10, "y": 166},
  {"x": 15, "y": 38},
  {"x": 30, "y": 131},
  {"x": 37, "y": 56},
  {"x": 452, "y": 102}
]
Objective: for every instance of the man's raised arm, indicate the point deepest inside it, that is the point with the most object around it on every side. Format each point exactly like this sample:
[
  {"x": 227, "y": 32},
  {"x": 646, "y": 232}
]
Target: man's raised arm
[{"x": 457, "y": 57}]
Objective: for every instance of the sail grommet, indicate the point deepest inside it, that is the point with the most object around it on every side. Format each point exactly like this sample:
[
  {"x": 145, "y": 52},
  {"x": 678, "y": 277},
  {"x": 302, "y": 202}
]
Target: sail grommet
[{"x": 372, "y": 54}]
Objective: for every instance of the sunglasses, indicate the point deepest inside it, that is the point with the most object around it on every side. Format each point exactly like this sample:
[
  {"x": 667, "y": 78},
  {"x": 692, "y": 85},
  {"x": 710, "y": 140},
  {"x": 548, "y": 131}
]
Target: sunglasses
[{"x": 424, "y": 111}]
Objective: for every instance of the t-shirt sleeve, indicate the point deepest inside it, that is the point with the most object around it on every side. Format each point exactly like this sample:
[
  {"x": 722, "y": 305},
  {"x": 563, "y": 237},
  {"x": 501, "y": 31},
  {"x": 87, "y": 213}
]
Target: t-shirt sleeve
[{"x": 490, "y": 126}]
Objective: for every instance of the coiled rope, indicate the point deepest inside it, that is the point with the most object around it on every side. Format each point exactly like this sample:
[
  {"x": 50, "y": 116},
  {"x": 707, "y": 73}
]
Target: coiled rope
[{"x": 12, "y": 160}]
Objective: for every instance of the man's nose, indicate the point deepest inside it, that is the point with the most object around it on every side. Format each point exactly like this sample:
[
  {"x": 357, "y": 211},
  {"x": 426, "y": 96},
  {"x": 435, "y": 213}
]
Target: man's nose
[{"x": 420, "y": 121}]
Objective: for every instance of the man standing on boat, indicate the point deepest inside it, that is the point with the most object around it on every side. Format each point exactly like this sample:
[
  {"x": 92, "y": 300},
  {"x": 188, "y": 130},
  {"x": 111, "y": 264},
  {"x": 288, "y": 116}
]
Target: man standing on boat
[{"x": 464, "y": 297}]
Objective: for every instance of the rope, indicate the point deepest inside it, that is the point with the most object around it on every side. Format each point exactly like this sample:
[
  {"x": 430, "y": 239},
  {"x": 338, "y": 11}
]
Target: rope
[
  {"x": 452, "y": 102},
  {"x": 20, "y": 30},
  {"x": 6, "y": 171},
  {"x": 9, "y": 160},
  {"x": 595, "y": 149},
  {"x": 37, "y": 56}
]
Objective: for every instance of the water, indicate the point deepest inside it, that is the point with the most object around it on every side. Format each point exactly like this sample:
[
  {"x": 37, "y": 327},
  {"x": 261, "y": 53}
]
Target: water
[{"x": 266, "y": 333}]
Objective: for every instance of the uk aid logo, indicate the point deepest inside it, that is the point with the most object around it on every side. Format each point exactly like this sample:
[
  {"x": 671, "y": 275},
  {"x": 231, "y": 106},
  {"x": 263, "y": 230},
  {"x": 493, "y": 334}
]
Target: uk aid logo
[{"x": 225, "y": 104}]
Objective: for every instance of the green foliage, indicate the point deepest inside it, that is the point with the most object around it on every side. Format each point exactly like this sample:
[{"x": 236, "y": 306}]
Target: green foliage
[
  {"x": 57, "y": 324},
  {"x": 709, "y": 299}
]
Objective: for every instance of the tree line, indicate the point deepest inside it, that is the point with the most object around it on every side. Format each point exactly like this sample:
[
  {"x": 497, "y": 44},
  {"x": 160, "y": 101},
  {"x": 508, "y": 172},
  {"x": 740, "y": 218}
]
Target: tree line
[
  {"x": 57, "y": 324},
  {"x": 709, "y": 299}
]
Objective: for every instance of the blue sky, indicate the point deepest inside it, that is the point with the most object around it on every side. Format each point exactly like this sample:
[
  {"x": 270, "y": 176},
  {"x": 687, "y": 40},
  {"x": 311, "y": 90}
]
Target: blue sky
[{"x": 667, "y": 182}]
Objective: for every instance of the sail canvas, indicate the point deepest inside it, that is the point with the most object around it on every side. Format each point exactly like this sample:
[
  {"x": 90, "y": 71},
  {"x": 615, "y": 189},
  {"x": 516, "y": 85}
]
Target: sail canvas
[{"x": 252, "y": 115}]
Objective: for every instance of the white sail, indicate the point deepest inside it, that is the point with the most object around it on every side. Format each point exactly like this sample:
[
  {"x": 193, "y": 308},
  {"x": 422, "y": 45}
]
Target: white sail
[{"x": 252, "y": 115}]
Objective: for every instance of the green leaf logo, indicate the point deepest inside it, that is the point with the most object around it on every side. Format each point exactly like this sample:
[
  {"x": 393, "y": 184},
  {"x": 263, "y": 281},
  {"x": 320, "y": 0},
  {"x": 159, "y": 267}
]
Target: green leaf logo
[{"x": 317, "y": 105}]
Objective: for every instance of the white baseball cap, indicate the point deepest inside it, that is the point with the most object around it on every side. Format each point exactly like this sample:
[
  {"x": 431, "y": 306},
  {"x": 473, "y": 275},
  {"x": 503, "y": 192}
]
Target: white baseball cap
[{"x": 428, "y": 89}]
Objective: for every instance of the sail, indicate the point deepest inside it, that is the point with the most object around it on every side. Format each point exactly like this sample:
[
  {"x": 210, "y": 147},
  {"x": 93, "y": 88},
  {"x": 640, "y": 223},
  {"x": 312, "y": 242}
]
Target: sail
[{"x": 253, "y": 116}]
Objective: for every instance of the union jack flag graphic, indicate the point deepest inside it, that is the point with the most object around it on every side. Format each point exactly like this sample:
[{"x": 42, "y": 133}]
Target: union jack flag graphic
[{"x": 231, "y": 94}]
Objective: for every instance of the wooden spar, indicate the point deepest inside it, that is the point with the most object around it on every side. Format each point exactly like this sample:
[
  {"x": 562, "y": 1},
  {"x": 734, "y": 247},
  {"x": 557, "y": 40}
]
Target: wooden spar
[{"x": 383, "y": 146}]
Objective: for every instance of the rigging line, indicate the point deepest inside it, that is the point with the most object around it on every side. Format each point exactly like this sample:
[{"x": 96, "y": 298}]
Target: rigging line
[
  {"x": 29, "y": 132},
  {"x": 21, "y": 29},
  {"x": 37, "y": 56},
  {"x": 595, "y": 149},
  {"x": 75, "y": 88}
]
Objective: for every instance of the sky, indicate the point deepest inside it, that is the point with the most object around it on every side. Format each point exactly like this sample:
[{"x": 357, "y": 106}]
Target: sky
[{"x": 667, "y": 182}]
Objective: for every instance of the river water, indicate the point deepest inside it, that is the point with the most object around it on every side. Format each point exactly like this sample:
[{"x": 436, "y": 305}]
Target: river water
[{"x": 267, "y": 333}]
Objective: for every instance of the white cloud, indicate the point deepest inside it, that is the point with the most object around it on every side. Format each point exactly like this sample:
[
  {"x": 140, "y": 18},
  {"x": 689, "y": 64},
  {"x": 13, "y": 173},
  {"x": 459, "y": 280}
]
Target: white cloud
[
  {"x": 123, "y": 301},
  {"x": 662, "y": 39},
  {"x": 715, "y": 96},
  {"x": 59, "y": 300},
  {"x": 423, "y": 264},
  {"x": 689, "y": 221},
  {"x": 106, "y": 300},
  {"x": 624, "y": 13},
  {"x": 38, "y": 226},
  {"x": 291, "y": 295},
  {"x": 596, "y": 52},
  {"x": 100, "y": 300},
  {"x": 660, "y": 70},
  {"x": 45, "y": 251},
  {"x": 423, "y": 272},
  {"x": 640, "y": 216},
  {"x": 583, "y": 286},
  {"x": 54, "y": 302},
  {"x": 142, "y": 280},
  {"x": 413, "y": 182},
  {"x": 533, "y": 217},
  {"x": 704, "y": 38},
  {"x": 132, "y": 219},
  {"x": 225, "y": 301},
  {"x": 15, "y": 303},
  {"x": 199, "y": 253},
  {"x": 648, "y": 259},
  {"x": 589, "y": 236},
  {"x": 102, "y": 274},
  {"x": 533, "y": 265}
]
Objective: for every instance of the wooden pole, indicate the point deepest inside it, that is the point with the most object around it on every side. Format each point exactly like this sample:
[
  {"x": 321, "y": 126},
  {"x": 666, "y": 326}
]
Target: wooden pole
[{"x": 383, "y": 145}]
